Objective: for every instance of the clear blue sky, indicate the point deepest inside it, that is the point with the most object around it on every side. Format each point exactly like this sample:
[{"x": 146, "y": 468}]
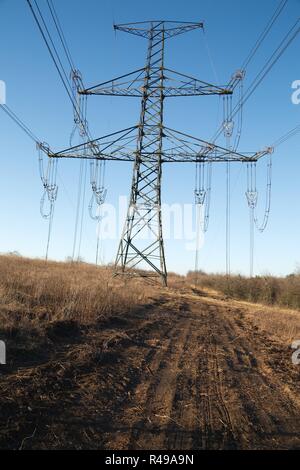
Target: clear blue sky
[{"x": 35, "y": 93}]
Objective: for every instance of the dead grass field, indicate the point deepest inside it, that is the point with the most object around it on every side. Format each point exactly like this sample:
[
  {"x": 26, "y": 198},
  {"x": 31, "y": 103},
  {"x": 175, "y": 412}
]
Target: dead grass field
[{"x": 34, "y": 292}]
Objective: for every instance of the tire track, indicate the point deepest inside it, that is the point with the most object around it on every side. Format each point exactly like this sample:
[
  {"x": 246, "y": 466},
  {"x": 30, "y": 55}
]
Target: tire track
[{"x": 209, "y": 384}]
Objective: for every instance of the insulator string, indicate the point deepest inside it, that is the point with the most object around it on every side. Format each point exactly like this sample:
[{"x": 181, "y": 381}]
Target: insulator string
[
  {"x": 252, "y": 200},
  {"x": 48, "y": 177}
]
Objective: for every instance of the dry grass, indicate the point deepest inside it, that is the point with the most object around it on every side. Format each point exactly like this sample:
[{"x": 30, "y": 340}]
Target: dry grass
[
  {"x": 272, "y": 304},
  {"x": 283, "y": 324},
  {"x": 33, "y": 292}
]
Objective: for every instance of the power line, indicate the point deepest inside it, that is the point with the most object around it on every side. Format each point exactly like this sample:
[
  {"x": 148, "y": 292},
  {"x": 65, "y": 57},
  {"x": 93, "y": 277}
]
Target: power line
[
  {"x": 228, "y": 217},
  {"x": 264, "y": 33},
  {"x": 66, "y": 85},
  {"x": 52, "y": 43},
  {"x": 56, "y": 58},
  {"x": 49, "y": 232},
  {"x": 213, "y": 67},
  {"x": 82, "y": 207},
  {"x": 20, "y": 123},
  {"x": 61, "y": 33},
  {"x": 288, "y": 135},
  {"x": 284, "y": 44},
  {"x": 271, "y": 62},
  {"x": 77, "y": 209}
]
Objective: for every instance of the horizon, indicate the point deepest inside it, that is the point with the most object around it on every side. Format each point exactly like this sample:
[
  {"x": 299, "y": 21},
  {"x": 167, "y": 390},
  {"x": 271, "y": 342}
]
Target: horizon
[{"x": 68, "y": 260}]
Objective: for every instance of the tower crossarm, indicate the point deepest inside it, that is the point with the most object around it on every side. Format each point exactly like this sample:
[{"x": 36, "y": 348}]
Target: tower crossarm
[
  {"x": 117, "y": 146},
  {"x": 184, "y": 148},
  {"x": 177, "y": 147},
  {"x": 129, "y": 84},
  {"x": 170, "y": 28},
  {"x": 179, "y": 84},
  {"x": 174, "y": 84}
]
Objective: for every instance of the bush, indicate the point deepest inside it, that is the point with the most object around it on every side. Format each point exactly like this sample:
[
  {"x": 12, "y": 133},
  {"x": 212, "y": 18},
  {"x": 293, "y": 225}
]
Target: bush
[{"x": 262, "y": 289}]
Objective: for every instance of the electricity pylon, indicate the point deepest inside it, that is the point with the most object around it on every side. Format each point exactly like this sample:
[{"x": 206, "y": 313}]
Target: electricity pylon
[{"x": 151, "y": 143}]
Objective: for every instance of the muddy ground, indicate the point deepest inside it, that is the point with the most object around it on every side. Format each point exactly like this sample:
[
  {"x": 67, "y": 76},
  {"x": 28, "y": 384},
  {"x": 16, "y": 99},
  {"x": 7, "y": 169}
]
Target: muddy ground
[{"x": 185, "y": 371}]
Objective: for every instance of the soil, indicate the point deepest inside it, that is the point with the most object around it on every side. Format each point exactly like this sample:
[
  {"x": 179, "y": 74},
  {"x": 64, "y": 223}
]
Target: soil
[{"x": 186, "y": 371}]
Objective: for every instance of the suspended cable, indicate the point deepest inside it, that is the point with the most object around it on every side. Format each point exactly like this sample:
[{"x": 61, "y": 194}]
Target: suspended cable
[
  {"x": 62, "y": 73},
  {"x": 49, "y": 232},
  {"x": 99, "y": 237},
  {"x": 213, "y": 67},
  {"x": 82, "y": 208},
  {"x": 99, "y": 240},
  {"x": 277, "y": 53},
  {"x": 199, "y": 234},
  {"x": 228, "y": 214},
  {"x": 97, "y": 250},
  {"x": 77, "y": 209},
  {"x": 271, "y": 62},
  {"x": 288, "y": 135},
  {"x": 60, "y": 33},
  {"x": 56, "y": 59},
  {"x": 264, "y": 33},
  {"x": 52, "y": 43},
  {"x": 20, "y": 123},
  {"x": 251, "y": 215}
]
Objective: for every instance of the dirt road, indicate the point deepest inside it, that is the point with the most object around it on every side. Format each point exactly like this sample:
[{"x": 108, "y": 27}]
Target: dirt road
[{"x": 184, "y": 372}]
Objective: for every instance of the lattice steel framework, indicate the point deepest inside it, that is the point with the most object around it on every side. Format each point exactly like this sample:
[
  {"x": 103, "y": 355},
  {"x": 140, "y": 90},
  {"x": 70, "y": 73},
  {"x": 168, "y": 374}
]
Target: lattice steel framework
[{"x": 151, "y": 143}]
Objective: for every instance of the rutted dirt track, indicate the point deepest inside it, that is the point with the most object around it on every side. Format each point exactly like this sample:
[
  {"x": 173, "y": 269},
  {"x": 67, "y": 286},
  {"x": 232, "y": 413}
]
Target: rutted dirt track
[{"x": 184, "y": 372}]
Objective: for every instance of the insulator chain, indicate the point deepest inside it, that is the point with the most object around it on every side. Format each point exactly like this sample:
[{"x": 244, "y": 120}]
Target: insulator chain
[
  {"x": 252, "y": 193},
  {"x": 228, "y": 122},
  {"x": 97, "y": 175},
  {"x": 79, "y": 107},
  {"x": 203, "y": 190},
  {"x": 48, "y": 175},
  {"x": 239, "y": 76}
]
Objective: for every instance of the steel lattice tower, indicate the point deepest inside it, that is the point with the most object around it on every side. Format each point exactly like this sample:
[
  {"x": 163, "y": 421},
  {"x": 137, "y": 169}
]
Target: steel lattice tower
[
  {"x": 153, "y": 145},
  {"x": 144, "y": 211}
]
